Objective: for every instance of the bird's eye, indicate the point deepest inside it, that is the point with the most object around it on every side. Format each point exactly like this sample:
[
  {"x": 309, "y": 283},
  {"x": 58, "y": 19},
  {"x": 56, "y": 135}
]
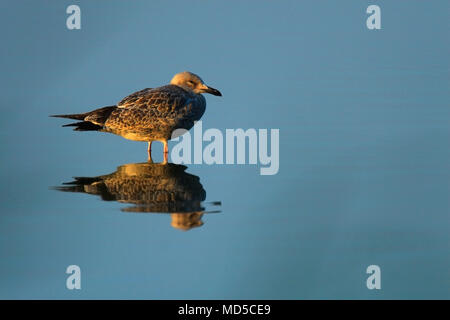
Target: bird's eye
[{"x": 190, "y": 83}]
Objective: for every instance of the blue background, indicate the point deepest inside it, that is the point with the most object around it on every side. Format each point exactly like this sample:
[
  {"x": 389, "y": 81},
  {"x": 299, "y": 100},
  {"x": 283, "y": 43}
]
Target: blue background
[{"x": 364, "y": 157}]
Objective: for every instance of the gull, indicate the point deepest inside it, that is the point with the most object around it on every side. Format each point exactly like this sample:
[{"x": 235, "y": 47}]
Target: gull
[{"x": 151, "y": 114}]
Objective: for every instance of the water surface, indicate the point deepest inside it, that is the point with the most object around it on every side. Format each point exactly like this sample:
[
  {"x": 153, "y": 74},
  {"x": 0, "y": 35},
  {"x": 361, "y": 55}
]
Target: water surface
[{"x": 364, "y": 158}]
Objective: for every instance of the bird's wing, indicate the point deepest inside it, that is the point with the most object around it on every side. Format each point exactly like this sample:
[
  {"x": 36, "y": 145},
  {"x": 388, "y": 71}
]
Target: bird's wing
[
  {"x": 99, "y": 116},
  {"x": 134, "y": 98},
  {"x": 146, "y": 106}
]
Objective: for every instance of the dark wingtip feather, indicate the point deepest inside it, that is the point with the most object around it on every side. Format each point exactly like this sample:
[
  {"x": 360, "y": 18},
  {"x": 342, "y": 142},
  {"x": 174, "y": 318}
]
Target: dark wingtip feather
[
  {"x": 84, "y": 126},
  {"x": 79, "y": 116}
]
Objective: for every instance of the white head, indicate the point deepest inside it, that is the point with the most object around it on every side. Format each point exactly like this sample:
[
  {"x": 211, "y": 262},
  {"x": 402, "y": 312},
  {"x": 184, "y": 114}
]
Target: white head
[{"x": 193, "y": 82}]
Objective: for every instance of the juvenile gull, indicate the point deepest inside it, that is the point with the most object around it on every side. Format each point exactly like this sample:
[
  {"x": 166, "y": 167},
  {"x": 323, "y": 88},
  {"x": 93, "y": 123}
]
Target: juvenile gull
[{"x": 150, "y": 114}]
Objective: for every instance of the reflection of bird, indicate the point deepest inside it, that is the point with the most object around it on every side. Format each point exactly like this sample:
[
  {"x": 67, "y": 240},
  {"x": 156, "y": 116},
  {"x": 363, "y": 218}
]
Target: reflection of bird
[
  {"x": 186, "y": 221},
  {"x": 151, "y": 187},
  {"x": 150, "y": 114}
]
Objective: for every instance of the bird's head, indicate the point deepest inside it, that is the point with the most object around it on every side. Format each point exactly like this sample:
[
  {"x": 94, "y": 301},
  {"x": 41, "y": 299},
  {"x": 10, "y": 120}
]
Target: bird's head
[{"x": 193, "y": 82}]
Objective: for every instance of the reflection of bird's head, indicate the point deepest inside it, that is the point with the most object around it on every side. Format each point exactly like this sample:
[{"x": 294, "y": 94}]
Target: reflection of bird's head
[
  {"x": 186, "y": 221},
  {"x": 193, "y": 82}
]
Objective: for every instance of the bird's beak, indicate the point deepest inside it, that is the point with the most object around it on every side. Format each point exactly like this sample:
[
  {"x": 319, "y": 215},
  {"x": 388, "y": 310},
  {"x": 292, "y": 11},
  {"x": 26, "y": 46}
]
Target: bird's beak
[{"x": 211, "y": 90}]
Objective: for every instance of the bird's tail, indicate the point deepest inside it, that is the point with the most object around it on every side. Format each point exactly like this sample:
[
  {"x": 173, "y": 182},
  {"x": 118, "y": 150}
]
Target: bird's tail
[
  {"x": 78, "y": 185},
  {"x": 90, "y": 121}
]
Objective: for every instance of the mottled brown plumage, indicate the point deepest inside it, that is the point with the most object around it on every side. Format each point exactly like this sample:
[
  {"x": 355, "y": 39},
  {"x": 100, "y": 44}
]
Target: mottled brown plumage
[
  {"x": 154, "y": 114},
  {"x": 150, "y": 114}
]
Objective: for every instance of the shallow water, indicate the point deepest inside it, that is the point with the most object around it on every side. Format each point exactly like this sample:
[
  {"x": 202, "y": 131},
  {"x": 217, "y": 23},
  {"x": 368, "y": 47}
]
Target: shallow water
[{"x": 364, "y": 158}]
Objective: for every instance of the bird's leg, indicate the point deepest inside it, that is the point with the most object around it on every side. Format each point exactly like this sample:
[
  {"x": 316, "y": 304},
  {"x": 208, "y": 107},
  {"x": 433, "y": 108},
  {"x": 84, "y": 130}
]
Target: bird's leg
[
  {"x": 149, "y": 152},
  {"x": 166, "y": 151}
]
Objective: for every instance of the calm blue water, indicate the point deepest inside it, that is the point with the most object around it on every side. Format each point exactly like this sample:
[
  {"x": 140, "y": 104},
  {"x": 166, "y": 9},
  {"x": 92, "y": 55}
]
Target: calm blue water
[{"x": 364, "y": 157}]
